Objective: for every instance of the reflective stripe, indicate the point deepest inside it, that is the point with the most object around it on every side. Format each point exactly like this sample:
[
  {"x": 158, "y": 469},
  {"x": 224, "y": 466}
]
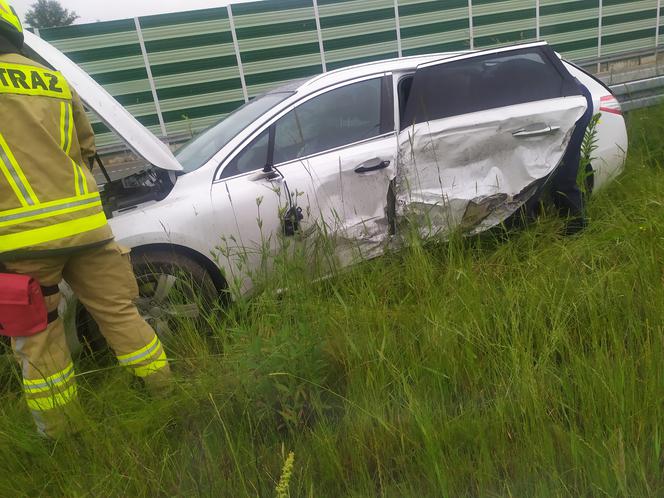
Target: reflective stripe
[
  {"x": 53, "y": 401},
  {"x": 138, "y": 356},
  {"x": 15, "y": 175},
  {"x": 143, "y": 354},
  {"x": 55, "y": 380},
  {"x": 34, "y": 81},
  {"x": 66, "y": 138},
  {"x": 152, "y": 367},
  {"x": 65, "y": 126},
  {"x": 68, "y": 127},
  {"x": 58, "y": 231},
  {"x": 82, "y": 186},
  {"x": 77, "y": 178},
  {"x": 58, "y": 202},
  {"x": 84, "y": 180},
  {"x": 11, "y": 180},
  {"x": 47, "y": 212}
]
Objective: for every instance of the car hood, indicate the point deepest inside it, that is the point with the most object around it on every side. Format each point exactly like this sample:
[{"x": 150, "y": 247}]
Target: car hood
[{"x": 137, "y": 137}]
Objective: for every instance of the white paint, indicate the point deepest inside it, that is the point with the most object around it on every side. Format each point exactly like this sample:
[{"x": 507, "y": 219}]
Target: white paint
[
  {"x": 319, "y": 31},
  {"x": 236, "y": 46},
  {"x": 611, "y": 134},
  {"x": 153, "y": 87}
]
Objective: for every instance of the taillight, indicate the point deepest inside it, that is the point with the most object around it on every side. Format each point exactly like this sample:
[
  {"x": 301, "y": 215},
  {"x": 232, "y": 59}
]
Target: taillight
[{"x": 609, "y": 103}]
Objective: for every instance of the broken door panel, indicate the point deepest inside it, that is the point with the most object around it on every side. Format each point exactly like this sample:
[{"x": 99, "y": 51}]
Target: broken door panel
[{"x": 480, "y": 133}]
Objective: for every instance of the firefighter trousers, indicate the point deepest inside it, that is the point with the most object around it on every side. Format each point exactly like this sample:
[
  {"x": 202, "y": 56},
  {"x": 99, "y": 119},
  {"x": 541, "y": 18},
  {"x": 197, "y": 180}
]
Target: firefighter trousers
[{"x": 104, "y": 282}]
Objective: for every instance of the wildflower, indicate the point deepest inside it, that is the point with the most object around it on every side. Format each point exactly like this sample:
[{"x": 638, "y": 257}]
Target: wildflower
[{"x": 286, "y": 473}]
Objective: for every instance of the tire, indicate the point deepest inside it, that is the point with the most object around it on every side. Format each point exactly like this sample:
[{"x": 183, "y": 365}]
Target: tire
[{"x": 171, "y": 287}]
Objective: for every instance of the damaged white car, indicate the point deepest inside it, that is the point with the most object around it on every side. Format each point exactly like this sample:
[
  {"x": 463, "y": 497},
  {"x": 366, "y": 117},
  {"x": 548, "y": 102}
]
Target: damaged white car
[{"x": 449, "y": 140}]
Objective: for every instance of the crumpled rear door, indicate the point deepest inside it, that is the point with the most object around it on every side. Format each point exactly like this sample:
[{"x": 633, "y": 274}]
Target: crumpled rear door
[{"x": 480, "y": 134}]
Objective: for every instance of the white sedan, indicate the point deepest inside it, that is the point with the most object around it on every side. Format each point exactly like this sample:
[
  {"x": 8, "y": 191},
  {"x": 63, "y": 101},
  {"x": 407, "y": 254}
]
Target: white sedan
[{"x": 443, "y": 142}]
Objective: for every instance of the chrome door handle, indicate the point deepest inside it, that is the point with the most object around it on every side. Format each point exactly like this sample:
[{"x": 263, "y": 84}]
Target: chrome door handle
[
  {"x": 535, "y": 131},
  {"x": 372, "y": 165}
]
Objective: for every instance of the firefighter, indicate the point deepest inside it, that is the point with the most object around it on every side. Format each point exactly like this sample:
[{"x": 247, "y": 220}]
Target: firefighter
[{"x": 53, "y": 228}]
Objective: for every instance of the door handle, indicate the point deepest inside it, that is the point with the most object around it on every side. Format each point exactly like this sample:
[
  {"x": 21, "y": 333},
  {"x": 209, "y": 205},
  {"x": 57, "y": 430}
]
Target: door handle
[
  {"x": 372, "y": 165},
  {"x": 535, "y": 131}
]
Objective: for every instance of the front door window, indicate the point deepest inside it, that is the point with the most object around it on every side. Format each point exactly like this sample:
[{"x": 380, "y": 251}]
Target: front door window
[{"x": 337, "y": 118}]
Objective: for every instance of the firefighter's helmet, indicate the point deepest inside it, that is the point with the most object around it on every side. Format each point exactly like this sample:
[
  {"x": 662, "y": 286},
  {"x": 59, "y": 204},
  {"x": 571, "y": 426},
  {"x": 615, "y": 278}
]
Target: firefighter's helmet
[{"x": 10, "y": 24}]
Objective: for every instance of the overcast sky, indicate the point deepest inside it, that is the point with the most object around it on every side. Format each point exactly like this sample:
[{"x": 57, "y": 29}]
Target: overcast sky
[{"x": 105, "y": 10}]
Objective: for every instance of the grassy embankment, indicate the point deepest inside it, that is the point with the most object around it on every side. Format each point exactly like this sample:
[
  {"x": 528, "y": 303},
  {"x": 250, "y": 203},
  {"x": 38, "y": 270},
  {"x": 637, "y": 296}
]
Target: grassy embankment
[{"x": 527, "y": 367}]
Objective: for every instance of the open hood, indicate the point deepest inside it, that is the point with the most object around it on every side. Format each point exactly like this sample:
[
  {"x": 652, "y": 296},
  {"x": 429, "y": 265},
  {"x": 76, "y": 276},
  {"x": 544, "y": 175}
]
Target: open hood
[{"x": 117, "y": 118}]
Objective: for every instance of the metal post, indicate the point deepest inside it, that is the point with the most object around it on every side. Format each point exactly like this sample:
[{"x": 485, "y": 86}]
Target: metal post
[
  {"x": 153, "y": 87},
  {"x": 236, "y": 45},
  {"x": 321, "y": 46},
  {"x": 599, "y": 37},
  {"x": 537, "y": 19},
  {"x": 659, "y": 8},
  {"x": 398, "y": 27},
  {"x": 36, "y": 31},
  {"x": 471, "y": 34}
]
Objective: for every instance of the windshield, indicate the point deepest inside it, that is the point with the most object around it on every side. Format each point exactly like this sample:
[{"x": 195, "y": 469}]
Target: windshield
[{"x": 202, "y": 148}]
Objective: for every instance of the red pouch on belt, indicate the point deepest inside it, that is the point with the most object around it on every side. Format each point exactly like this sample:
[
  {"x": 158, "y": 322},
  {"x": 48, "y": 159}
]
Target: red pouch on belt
[{"x": 22, "y": 306}]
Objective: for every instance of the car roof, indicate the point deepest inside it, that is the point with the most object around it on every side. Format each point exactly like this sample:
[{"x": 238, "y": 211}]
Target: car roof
[{"x": 400, "y": 64}]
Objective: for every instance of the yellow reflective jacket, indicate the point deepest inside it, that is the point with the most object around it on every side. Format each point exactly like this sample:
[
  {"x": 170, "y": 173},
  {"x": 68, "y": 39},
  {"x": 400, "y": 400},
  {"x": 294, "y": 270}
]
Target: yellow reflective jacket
[{"x": 48, "y": 198}]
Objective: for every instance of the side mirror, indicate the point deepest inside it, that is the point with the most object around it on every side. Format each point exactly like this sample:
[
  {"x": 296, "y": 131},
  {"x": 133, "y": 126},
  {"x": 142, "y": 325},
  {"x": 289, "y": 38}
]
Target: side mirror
[{"x": 270, "y": 175}]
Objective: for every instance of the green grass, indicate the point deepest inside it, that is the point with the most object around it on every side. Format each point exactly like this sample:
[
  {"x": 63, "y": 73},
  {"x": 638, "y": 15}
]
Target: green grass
[{"x": 531, "y": 366}]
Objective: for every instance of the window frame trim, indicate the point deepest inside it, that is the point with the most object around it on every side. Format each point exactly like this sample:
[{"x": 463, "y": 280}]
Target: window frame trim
[{"x": 269, "y": 125}]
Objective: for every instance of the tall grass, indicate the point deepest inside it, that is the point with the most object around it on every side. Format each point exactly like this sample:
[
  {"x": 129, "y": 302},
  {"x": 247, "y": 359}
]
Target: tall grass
[{"x": 526, "y": 365}]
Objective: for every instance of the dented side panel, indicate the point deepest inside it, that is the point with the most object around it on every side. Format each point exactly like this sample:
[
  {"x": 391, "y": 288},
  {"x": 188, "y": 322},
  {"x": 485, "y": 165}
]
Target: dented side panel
[
  {"x": 470, "y": 172},
  {"x": 346, "y": 205}
]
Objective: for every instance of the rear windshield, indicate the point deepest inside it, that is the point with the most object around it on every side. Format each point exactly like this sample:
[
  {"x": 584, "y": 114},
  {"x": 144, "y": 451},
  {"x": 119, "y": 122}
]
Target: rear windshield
[{"x": 202, "y": 148}]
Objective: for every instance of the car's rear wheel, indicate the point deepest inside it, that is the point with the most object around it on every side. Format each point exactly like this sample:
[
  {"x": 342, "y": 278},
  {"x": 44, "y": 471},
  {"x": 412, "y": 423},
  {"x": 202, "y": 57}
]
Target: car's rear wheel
[{"x": 173, "y": 290}]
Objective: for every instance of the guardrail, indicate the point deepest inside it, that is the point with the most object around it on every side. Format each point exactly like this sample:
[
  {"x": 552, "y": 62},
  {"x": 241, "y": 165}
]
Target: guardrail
[
  {"x": 178, "y": 138},
  {"x": 641, "y": 93}
]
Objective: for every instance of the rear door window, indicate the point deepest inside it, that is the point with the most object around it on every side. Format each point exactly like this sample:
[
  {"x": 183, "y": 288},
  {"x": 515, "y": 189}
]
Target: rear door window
[{"x": 486, "y": 82}]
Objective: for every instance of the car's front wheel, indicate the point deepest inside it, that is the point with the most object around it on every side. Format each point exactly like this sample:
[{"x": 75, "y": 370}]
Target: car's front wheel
[{"x": 173, "y": 290}]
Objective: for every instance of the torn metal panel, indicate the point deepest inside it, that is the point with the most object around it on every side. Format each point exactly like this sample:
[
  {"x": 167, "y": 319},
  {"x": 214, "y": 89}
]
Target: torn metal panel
[{"x": 471, "y": 172}]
